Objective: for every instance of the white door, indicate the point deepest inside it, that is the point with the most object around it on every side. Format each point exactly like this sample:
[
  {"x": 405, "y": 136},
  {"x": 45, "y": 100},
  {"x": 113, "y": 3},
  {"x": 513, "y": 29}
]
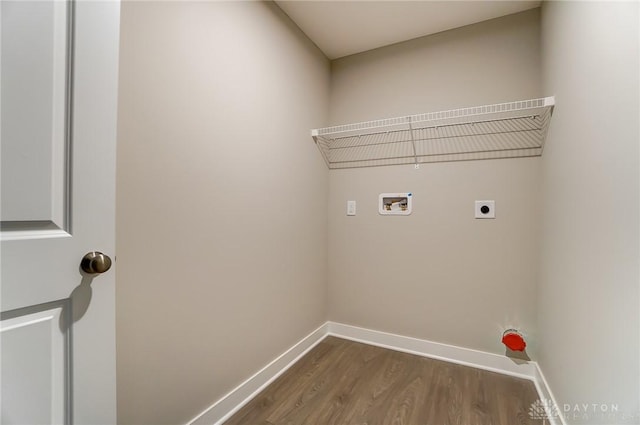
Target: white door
[{"x": 59, "y": 64}]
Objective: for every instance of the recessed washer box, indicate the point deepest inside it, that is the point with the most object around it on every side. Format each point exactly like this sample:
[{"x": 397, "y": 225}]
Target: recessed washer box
[{"x": 395, "y": 203}]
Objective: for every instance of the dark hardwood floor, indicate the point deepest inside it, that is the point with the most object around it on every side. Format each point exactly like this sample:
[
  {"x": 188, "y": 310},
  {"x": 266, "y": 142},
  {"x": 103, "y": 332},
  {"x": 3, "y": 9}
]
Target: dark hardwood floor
[{"x": 342, "y": 382}]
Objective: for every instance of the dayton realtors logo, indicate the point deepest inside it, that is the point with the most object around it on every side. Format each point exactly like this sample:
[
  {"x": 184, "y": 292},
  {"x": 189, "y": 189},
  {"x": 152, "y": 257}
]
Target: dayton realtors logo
[
  {"x": 543, "y": 409},
  {"x": 592, "y": 411},
  {"x": 548, "y": 410}
]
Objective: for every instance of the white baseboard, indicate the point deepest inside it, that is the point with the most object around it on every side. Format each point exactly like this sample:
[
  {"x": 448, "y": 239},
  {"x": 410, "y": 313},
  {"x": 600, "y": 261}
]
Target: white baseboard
[
  {"x": 435, "y": 350},
  {"x": 224, "y": 408},
  {"x": 544, "y": 392}
]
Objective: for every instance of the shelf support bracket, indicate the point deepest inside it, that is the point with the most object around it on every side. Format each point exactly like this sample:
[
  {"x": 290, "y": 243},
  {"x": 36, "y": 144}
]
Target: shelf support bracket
[{"x": 413, "y": 144}]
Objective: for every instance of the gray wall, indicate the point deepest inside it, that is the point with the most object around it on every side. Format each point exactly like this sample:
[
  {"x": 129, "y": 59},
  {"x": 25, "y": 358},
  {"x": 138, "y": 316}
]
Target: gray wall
[
  {"x": 222, "y": 218},
  {"x": 588, "y": 305},
  {"x": 438, "y": 274}
]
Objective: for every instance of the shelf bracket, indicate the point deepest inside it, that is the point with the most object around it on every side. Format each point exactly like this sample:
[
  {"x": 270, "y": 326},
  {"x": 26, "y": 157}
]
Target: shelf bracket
[{"x": 413, "y": 144}]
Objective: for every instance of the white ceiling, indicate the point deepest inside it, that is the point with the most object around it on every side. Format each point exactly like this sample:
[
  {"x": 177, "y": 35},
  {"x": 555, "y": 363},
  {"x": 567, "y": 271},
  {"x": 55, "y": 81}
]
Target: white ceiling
[{"x": 341, "y": 28}]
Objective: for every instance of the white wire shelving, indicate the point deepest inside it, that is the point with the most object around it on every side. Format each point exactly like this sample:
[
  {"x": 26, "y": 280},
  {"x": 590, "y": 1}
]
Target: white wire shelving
[{"x": 503, "y": 130}]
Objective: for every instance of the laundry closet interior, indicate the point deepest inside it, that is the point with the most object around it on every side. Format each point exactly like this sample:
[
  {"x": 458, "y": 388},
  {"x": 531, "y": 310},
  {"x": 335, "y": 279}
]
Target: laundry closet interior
[{"x": 430, "y": 195}]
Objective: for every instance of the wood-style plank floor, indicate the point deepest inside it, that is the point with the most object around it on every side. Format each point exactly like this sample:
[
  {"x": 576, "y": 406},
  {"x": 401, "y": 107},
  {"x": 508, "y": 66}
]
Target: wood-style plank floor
[{"x": 342, "y": 382}]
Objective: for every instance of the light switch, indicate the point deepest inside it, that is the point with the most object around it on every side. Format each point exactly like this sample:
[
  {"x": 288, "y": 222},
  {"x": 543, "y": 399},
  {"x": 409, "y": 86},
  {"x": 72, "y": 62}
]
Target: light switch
[{"x": 351, "y": 207}]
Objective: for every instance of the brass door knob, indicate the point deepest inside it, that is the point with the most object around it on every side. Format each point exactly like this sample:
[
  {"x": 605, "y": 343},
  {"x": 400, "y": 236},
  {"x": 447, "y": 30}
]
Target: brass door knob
[{"x": 95, "y": 262}]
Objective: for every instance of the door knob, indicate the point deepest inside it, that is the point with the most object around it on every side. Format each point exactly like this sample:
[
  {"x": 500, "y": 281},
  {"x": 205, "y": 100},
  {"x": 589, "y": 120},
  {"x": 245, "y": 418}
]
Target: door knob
[{"x": 95, "y": 262}]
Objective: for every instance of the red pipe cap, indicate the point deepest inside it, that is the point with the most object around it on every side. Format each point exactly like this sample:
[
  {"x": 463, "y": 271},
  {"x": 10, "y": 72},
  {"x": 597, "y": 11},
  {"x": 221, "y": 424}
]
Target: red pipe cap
[{"x": 514, "y": 341}]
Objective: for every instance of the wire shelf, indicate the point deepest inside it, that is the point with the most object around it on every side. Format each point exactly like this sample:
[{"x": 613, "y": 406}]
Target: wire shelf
[{"x": 503, "y": 130}]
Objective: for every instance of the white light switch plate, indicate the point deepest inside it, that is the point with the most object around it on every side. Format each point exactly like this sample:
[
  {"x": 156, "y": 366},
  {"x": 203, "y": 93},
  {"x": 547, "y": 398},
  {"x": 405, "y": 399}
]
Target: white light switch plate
[
  {"x": 485, "y": 209},
  {"x": 351, "y": 207}
]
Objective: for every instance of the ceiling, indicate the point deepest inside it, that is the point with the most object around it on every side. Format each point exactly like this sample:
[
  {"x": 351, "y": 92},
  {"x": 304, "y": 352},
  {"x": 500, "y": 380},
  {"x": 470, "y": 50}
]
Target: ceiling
[{"x": 342, "y": 28}]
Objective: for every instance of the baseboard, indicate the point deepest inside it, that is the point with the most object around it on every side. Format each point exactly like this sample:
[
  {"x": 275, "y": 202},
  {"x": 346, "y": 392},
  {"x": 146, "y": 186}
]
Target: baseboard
[
  {"x": 545, "y": 394},
  {"x": 224, "y": 408},
  {"x": 435, "y": 350}
]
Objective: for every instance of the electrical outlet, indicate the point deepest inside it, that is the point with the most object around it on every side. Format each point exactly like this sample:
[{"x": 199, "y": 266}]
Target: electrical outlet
[{"x": 485, "y": 209}]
